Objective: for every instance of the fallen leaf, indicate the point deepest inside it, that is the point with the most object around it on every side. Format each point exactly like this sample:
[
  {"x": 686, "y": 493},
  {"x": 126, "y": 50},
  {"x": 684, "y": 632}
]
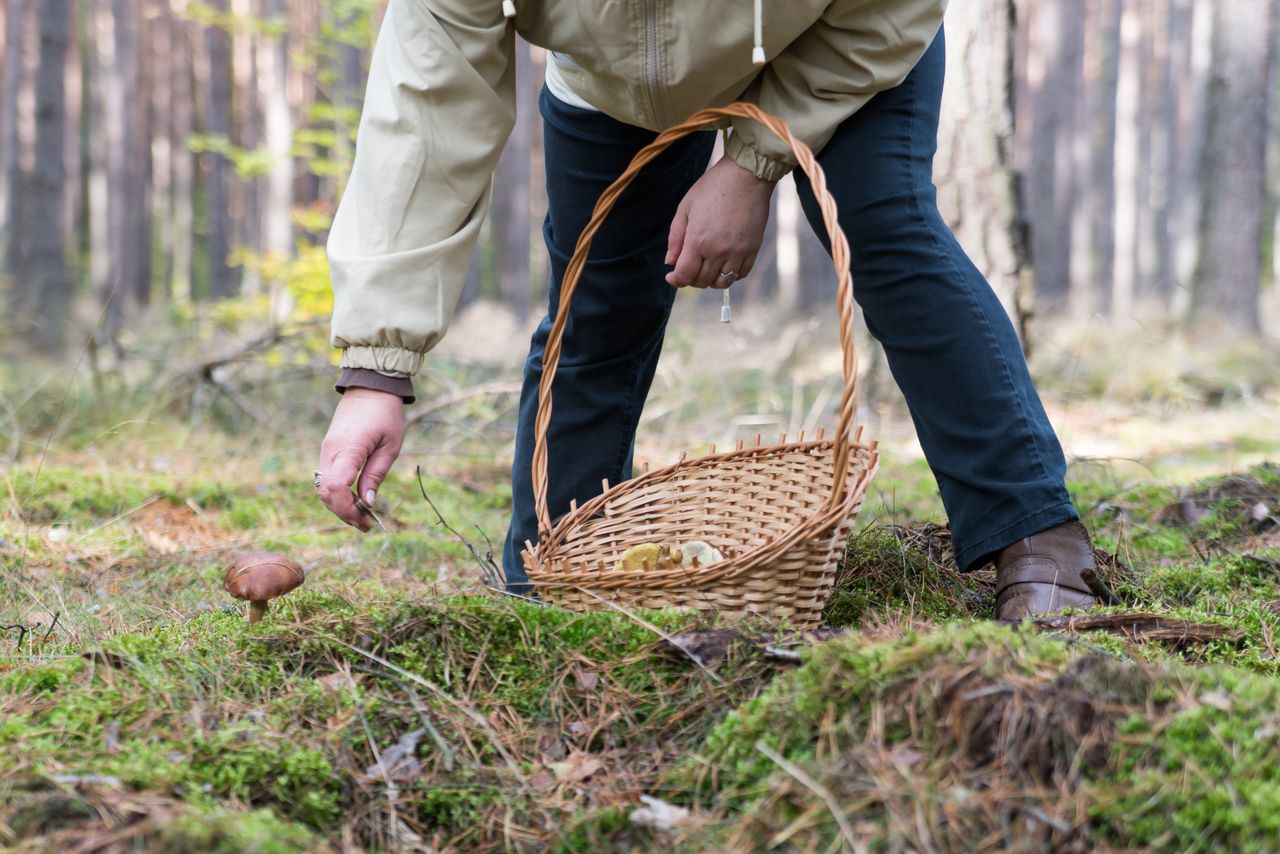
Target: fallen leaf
[
  {"x": 157, "y": 541},
  {"x": 398, "y": 760},
  {"x": 586, "y": 680},
  {"x": 663, "y": 816},
  {"x": 577, "y": 767}
]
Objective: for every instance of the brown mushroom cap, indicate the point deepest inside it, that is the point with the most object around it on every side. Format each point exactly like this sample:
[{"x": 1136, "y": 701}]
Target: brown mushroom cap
[{"x": 260, "y": 576}]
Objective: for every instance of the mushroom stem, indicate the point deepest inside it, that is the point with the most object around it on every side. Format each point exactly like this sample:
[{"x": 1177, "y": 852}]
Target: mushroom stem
[{"x": 257, "y": 610}]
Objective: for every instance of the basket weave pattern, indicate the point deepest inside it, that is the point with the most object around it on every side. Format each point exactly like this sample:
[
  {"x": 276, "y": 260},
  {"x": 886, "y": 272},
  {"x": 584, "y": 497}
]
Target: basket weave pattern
[{"x": 779, "y": 513}]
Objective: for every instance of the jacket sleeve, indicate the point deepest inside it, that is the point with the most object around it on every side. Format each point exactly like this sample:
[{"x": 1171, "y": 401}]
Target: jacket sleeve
[
  {"x": 437, "y": 112},
  {"x": 857, "y": 48}
]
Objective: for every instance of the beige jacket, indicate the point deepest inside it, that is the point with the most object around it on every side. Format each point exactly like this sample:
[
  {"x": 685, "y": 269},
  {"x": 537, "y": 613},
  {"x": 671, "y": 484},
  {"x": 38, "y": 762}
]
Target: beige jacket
[{"x": 441, "y": 102}]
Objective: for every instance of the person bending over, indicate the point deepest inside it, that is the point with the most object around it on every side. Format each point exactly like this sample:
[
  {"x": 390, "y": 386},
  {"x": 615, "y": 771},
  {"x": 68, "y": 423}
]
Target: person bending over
[{"x": 859, "y": 81}]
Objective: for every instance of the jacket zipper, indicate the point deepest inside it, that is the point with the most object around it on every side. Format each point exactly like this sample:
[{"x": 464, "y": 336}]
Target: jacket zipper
[{"x": 652, "y": 63}]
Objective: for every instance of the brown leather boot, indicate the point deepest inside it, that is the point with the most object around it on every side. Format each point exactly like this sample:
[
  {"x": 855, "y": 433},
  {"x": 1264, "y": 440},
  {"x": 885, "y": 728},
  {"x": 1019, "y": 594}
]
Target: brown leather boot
[{"x": 1040, "y": 575}]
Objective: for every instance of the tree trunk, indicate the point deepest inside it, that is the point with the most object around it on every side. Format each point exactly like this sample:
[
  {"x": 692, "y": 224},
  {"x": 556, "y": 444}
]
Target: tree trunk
[
  {"x": 1052, "y": 68},
  {"x": 1225, "y": 288},
  {"x": 183, "y": 161},
  {"x": 46, "y": 274},
  {"x": 244, "y": 196},
  {"x": 977, "y": 186},
  {"x": 17, "y": 15},
  {"x": 277, "y": 206},
  {"x": 217, "y": 122},
  {"x": 1094, "y": 229},
  {"x": 1195, "y": 56},
  {"x": 1128, "y": 160}
]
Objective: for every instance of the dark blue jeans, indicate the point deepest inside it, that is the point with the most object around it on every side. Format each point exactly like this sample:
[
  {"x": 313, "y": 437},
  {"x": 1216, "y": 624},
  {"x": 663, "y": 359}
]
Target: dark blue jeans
[{"x": 949, "y": 343}]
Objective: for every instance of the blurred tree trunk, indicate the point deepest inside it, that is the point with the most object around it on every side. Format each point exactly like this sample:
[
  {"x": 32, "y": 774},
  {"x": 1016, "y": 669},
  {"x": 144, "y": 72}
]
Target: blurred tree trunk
[
  {"x": 1194, "y": 58},
  {"x": 17, "y": 16},
  {"x": 1055, "y": 44},
  {"x": 244, "y": 196},
  {"x": 103, "y": 127},
  {"x": 1225, "y": 288},
  {"x": 277, "y": 137},
  {"x": 1157, "y": 251},
  {"x": 46, "y": 272},
  {"x": 163, "y": 154},
  {"x": 978, "y": 190},
  {"x": 181, "y": 127},
  {"x": 217, "y": 168},
  {"x": 1094, "y": 227},
  {"x": 1128, "y": 159},
  {"x": 127, "y": 166}
]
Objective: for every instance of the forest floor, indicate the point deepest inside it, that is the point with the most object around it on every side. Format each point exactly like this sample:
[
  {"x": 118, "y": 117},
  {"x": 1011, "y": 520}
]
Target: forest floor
[{"x": 395, "y": 704}]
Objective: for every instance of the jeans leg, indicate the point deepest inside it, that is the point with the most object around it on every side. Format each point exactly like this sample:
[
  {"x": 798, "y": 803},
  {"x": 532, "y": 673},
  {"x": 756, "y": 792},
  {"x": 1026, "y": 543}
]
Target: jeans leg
[
  {"x": 949, "y": 342},
  {"x": 619, "y": 312}
]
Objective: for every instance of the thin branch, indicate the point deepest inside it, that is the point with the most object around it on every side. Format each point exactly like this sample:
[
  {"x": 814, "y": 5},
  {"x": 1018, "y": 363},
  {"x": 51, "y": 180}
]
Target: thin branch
[
  {"x": 846, "y": 830},
  {"x": 489, "y": 569},
  {"x": 417, "y": 414}
]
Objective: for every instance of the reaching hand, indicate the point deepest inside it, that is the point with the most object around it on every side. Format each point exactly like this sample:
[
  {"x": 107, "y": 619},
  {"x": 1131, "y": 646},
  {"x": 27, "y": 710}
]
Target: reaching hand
[
  {"x": 718, "y": 227},
  {"x": 363, "y": 441}
]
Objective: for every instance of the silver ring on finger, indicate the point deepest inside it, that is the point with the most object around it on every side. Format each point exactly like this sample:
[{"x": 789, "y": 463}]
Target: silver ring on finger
[
  {"x": 730, "y": 276},
  {"x": 316, "y": 479}
]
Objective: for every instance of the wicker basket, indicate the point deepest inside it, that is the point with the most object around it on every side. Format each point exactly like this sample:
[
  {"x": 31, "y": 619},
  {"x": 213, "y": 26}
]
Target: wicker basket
[{"x": 780, "y": 514}]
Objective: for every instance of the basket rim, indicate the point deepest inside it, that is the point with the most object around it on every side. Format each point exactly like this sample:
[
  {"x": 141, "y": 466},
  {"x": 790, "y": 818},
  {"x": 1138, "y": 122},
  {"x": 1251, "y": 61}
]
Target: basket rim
[{"x": 540, "y": 557}]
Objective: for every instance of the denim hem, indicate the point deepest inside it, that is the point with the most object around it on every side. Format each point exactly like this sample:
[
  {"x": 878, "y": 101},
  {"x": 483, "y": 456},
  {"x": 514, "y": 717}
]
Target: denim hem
[{"x": 977, "y": 555}]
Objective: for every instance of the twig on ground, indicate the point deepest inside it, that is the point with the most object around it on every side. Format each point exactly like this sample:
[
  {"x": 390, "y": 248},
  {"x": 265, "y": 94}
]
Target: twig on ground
[
  {"x": 116, "y": 518},
  {"x": 489, "y": 569},
  {"x": 780, "y": 654},
  {"x": 413, "y": 416},
  {"x": 464, "y": 707},
  {"x": 672, "y": 640},
  {"x": 802, "y": 777},
  {"x": 1100, "y": 588}
]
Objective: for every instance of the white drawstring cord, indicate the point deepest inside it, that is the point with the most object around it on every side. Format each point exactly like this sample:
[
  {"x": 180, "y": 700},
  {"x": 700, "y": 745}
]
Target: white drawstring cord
[
  {"x": 509, "y": 8},
  {"x": 757, "y": 50}
]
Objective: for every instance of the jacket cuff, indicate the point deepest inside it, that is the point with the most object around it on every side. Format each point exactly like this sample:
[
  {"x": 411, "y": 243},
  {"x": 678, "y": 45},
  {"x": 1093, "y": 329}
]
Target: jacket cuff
[
  {"x": 761, "y": 165},
  {"x": 365, "y": 378},
  {"x": 389, "y": 360}
]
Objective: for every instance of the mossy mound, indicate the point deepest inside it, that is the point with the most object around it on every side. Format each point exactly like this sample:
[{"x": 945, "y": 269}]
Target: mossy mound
[
  {"x": 470, "y": 716},
  {"x": 982, "y": 737}
]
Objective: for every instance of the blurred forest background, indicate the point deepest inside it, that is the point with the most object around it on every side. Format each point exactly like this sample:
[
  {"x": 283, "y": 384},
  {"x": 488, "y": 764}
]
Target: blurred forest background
[{"x": 182, "y": 159}]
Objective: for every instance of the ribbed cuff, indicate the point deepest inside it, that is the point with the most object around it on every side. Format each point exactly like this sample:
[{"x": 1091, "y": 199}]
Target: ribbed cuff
[
  {"x": 365, "y": 378},
  {"x": 756, "y": 162}
]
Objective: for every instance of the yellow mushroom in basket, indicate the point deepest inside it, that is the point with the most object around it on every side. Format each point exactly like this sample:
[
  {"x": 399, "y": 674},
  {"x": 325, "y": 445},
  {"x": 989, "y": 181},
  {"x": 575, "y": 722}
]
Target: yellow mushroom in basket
[{"x": 647, "y": 556}]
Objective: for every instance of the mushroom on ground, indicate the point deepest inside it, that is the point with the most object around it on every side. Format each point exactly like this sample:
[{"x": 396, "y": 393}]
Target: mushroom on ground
[{"x": 260, "y": 577}]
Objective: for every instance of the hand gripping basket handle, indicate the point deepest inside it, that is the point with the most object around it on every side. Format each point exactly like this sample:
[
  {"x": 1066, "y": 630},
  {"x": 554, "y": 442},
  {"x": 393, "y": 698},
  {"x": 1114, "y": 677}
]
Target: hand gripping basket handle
[{"x": 573, "y": 273}]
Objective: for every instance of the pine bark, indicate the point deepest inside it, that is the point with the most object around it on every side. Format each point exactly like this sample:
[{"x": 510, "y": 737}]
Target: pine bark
[
  {"x": 978, "y": 188},
  {"x": 1226, "y": 285},
  {"x": 217, "y": 122},
  {"x": 46, "y": 270},
  {"x": 1054, "y": 49}
]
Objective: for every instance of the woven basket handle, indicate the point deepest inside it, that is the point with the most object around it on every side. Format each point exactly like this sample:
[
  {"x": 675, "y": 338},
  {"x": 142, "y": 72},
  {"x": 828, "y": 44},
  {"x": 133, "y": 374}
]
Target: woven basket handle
[{"x": 573, "y": 273}]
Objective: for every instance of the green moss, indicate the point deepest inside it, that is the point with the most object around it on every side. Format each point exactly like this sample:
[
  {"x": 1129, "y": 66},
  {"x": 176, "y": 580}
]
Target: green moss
[
  {"x": 219, "y": 830},
  {"x": 1207, "y": 778},
  {"x": 883, "y": 575}
]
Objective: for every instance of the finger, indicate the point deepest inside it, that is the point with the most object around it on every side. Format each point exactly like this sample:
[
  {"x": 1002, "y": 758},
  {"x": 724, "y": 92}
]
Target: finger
[
  {"x": 336, "y": 479},
  {"x": 687, "y": 267},
  {"x": 741, "y": 266},
  {"x": 375, "y": 471},
  {"x": 675, "y": 238},
  {"x": 748, "y": 264},
  {"x": 709, "y": 273}
]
